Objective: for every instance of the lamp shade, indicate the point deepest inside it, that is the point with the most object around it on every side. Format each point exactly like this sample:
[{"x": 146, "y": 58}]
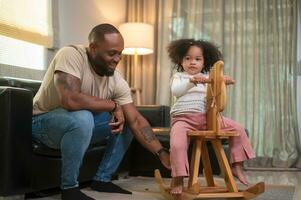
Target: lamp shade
[{"x": 138, "y": 38}]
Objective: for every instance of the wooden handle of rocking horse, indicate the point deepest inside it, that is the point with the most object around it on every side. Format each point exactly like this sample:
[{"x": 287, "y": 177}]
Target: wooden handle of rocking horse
[
  {"x": 216, "y": 96},
  {"x": 216, "y": 91}
]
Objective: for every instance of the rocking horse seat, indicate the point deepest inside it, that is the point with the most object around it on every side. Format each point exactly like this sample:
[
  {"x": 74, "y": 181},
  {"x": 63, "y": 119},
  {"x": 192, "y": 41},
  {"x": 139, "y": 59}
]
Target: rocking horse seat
[{"x": 208, "y": 134}]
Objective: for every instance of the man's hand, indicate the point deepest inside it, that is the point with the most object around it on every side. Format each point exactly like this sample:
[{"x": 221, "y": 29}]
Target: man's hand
[{"x": 117, "y": 121}]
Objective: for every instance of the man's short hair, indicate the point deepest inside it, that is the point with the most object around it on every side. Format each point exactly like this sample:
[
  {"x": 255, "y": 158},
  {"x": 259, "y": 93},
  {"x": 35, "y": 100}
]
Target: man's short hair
[{"x": 98, "y": 32}]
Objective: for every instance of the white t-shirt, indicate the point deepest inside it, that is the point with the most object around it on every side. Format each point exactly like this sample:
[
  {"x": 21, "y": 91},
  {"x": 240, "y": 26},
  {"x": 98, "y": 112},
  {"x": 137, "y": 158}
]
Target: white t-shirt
[
  {"x": 189, "y": 98},
  {"x": 74, "y": 60}
]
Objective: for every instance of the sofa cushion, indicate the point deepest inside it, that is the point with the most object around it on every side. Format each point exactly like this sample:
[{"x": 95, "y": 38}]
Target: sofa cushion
[
  {"x": 156, "y": 115},
  {"x": 31, "y": 85}
]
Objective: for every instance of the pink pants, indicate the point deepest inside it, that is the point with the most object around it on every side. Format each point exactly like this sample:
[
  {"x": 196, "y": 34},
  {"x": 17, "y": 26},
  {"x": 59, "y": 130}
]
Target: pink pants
[{"x": 240, "y": 146}]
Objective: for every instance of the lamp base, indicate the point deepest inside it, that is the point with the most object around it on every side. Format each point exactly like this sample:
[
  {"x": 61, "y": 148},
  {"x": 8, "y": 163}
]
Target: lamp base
[{"x": 137, "y": 93}]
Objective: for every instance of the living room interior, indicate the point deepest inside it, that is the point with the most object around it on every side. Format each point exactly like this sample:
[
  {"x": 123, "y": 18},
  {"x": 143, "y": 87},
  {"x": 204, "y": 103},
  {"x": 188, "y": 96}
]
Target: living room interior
[{"x": 261, "y": 46}]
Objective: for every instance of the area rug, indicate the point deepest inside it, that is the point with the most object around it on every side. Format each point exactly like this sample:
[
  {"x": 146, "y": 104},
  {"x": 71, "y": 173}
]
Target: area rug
[
  {"x": 277, "y": 192},
  {"x": 145, "y": 188}
]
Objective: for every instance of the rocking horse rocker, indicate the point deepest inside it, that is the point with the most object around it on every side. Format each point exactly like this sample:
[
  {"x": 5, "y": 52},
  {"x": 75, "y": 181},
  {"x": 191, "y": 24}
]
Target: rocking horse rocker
[{"x": 215, "y": 104}]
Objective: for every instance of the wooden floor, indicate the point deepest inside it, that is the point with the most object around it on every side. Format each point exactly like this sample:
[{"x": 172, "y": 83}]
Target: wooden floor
[{"x": 145, "y": 188}]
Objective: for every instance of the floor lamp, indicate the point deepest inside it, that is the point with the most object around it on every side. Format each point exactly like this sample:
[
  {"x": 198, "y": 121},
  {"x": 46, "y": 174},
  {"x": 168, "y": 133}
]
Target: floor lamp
[{"x": 138, "y": 40}]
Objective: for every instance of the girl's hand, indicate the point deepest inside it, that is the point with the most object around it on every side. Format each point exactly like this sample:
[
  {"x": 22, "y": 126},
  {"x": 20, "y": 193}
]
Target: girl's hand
[
  {"x": 228, "y": 80},
  {"x": 199, "y": 79},
  {"x": 117, "y": 121}
]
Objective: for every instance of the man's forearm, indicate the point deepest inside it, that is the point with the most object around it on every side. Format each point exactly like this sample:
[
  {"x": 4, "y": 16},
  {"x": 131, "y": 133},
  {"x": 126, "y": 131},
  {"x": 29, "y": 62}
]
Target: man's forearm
[
  {"x": 141, "y": 128},
  {"x": 148, "y": 134},
  {"x": 145, "y": 135},
  {"x": 82, "y": 101},
  {"x": 69, "y": 91}
]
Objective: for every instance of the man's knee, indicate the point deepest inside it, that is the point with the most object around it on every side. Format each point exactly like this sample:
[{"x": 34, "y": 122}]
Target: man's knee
[{"x": 83, "y": 121}]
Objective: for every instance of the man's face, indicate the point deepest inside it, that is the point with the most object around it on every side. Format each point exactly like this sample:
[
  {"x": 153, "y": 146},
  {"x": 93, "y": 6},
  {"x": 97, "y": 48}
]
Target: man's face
[{"x": 105, "y": 55}]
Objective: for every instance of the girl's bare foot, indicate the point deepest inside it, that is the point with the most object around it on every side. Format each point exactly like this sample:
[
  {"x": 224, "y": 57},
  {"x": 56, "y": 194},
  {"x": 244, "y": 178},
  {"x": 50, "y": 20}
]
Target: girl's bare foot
[
  {"x": 176, "y": 187},
  {"x": 237, "y": 171},
  {"x": 164, "y": 157}
]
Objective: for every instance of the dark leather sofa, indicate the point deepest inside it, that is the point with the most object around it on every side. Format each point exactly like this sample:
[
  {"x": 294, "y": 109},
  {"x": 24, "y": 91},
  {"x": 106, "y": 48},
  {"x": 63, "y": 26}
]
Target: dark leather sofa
[{"x": 28, "y": 166}]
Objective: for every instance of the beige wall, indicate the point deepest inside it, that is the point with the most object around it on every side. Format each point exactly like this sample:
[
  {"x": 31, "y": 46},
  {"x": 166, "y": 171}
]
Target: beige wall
[{"x": 77, "y": 17}]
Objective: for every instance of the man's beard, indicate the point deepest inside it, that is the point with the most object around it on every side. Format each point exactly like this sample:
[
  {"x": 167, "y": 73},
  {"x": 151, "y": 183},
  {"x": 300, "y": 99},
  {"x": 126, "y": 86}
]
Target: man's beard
[{"x": 101, "y": 68}]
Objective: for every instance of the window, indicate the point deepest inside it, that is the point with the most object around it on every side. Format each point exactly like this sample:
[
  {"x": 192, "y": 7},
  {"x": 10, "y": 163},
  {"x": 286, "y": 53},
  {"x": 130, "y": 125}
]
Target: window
[
  {"x": 25, "y": 32},
  {"x": 22, "y": 54}
]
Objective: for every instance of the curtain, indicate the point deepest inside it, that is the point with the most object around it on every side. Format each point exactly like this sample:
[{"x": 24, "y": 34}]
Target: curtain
[
  {"x": 164, "y": 72},
  {"x": 28, "y": 20},
  {"x": 145, "y": 78},
  {"x": 258, "y": 40},
  {"x": 299, "y": 75}
]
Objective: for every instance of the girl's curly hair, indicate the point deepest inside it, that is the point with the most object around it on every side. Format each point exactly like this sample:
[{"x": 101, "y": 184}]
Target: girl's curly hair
[{"x": 178, "y": 49}]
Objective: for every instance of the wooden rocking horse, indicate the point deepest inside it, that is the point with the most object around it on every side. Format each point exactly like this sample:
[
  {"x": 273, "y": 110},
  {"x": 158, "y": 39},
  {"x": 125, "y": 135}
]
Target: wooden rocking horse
[{"x": 216, "y": 101}]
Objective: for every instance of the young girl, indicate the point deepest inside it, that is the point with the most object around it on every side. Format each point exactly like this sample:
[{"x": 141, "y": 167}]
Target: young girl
[{"x": 194, "y": 59}]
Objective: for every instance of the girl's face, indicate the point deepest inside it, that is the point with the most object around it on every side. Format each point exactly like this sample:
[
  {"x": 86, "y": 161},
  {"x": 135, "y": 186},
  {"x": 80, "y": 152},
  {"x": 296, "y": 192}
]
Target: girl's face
[{"x": 193, "y": 62}]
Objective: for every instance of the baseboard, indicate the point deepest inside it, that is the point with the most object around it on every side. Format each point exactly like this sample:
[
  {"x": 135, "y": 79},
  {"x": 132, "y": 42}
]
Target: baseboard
[{"x": 270, "y": 169}]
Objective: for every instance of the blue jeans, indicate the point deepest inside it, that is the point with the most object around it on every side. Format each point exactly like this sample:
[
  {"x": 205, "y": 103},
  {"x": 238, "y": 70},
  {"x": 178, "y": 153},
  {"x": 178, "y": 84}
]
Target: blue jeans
[{"x": 72, "y": 132}]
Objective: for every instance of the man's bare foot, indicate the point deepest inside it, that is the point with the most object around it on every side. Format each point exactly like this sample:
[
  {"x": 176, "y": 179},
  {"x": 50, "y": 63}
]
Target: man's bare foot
[
  {"x": 176, "y": 187},
  {"x": 237, "y": 171},
  {"x": 164, "y": 158}
]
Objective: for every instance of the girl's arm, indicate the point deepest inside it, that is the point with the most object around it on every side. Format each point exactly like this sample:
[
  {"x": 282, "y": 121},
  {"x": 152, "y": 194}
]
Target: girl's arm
[
  {"x": 197, "y": 79},
  {"x": 180, "y": 85},
  {"x": 228, "y": 80}
]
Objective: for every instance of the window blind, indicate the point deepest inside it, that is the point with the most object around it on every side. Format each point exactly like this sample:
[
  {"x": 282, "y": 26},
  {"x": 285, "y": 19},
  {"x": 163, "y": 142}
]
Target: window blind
[{"x": 28, "y": 20}]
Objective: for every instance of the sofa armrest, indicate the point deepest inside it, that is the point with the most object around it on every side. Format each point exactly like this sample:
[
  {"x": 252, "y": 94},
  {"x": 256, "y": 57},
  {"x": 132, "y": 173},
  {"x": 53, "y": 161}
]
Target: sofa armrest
[
  {"x": 156, "y": 115},
  {"x": 15, "y": 140}
]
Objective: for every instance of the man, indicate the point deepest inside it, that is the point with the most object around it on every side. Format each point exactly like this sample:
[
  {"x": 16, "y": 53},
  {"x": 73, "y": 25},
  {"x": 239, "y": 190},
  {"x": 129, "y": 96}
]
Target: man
[{"x": 73, "y": 105}]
